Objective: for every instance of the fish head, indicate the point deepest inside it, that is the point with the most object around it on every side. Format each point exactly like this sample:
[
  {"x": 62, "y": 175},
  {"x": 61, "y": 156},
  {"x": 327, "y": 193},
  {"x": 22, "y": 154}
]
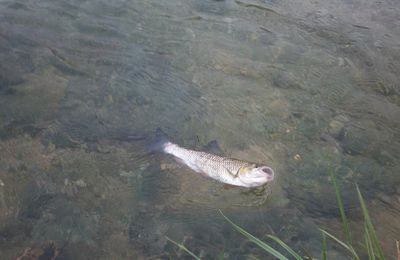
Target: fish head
[{"x": 254, "y": 176}]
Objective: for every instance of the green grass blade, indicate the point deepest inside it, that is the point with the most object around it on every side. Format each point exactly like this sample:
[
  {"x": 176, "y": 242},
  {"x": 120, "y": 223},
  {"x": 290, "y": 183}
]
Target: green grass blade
[
  {"x": 221, "y": 255},
  {"x": 285, "y": 246},
  {"x": 343, "y": 244},
  {"x": 255, "y": 240},
  {"x": 368, "y": 243},
  {"x": 341, "y": 207},
  {"x": 370, "y": 227},
  {"x": 183, "y": 248},
  {"x": 324, "y": 247}
]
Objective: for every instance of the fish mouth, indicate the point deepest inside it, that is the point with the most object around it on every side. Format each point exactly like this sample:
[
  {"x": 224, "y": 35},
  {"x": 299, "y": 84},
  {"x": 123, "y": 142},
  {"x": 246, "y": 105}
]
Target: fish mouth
[
  {"x": 258, "y": 177},
  {"x": 270, "y": 174},
  {"x": 256, "y": 182}
]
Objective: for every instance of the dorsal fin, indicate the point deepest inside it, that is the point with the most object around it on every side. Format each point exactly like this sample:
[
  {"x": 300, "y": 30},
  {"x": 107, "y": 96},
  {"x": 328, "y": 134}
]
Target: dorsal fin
[{"x": 213, "y": 147}]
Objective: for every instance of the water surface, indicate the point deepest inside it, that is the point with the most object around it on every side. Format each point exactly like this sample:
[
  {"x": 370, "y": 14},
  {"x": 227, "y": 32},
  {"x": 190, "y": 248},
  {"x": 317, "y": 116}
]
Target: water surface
[{"x": 299, "y": 86}]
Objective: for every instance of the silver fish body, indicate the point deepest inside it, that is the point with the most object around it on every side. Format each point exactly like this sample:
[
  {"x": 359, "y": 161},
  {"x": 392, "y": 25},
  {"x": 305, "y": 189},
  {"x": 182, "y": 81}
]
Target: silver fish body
[{"x": 225, "y": 170}]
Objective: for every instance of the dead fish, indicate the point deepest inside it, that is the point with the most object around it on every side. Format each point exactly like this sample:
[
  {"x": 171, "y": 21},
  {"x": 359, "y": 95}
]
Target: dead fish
[{"x": 226, "y": 170}]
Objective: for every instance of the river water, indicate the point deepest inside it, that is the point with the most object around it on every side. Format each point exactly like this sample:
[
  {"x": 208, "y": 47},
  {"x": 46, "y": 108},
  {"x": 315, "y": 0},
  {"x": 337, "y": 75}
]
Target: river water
[{"x": 298, "y": 85}]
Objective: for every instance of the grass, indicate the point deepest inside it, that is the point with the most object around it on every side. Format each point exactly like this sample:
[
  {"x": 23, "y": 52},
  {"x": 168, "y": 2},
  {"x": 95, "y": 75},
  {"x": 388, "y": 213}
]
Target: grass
[
  {"x": 339, "y": 201},
  {"x": 371, "y": 243},
  {"x": 183, "y": 248},
  {"x": 255, "y": 240},
  {"x": 324, "y": 247}
]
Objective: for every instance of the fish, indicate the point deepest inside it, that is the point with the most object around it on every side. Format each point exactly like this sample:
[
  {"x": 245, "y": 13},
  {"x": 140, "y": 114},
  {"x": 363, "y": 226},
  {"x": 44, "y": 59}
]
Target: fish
[{"x": 226, "y": 170}]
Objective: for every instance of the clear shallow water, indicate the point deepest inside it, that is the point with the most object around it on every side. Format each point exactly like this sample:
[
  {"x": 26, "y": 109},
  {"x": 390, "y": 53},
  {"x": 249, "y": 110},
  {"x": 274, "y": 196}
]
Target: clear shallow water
[{"x": 84, "y": 84}]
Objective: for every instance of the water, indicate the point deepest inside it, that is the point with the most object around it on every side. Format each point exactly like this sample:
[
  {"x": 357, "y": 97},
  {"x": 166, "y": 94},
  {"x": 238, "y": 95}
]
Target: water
[{"x": 84, "y": 84}]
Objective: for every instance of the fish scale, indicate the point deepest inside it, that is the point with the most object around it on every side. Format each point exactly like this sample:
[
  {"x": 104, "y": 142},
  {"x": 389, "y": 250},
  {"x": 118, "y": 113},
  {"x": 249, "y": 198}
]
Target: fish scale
[
  {"x": 214, "y": 166},
  {"x": 227, "y": 170}
]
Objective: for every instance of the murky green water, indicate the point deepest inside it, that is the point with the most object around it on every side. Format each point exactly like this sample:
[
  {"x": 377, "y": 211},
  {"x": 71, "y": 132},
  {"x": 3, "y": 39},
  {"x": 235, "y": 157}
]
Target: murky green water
[{"x": 84, "y": 84}]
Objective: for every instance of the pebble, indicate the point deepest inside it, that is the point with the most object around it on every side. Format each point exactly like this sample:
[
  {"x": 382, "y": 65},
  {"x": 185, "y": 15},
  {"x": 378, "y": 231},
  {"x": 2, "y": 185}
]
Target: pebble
[
  {"x": 335, "y": 127},
  {"x": 127, "y": 173},
  {"x": 286, "y": 80},
  {"x": 141, "y": 101},
  {"x": 385, "y": 158},
  {"x": 340, "y": 61},
  {"x": 337, "y": 124},
  {"x": 163, "y": 166},
  {"x": 80, "y": 183},
  {"x": 356, "y": 140},
  {"x": 66, "y": 182}
]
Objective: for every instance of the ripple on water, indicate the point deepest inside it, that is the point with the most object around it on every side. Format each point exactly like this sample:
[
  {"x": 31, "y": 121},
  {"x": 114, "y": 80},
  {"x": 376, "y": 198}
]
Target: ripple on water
[{"x": 296, "y": 86}]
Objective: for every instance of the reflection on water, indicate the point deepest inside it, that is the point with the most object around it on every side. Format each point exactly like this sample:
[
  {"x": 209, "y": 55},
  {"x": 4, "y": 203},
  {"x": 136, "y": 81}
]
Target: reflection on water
[{"x": 84, "y": 84}]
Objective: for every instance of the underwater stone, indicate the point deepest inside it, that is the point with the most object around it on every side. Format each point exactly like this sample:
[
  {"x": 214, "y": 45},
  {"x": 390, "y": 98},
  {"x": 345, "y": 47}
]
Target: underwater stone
[
  {"x": 80, "y": 183},
  {"x": 336, "y": 125},
  {"x": 355, "y": 140},
  {"x": 127, "y": 173},
  {"x": 384, "y": 198},
  {"x": 309, "y": 128},
  {"x": 9, "y": 78},
  {"x": 142, "y": 101},
  {"x": 385, "y": 158},
  {"x": 286, "y": 81}
]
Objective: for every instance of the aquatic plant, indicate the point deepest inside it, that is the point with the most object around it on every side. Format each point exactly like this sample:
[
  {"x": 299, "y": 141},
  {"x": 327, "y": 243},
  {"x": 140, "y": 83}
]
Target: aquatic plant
[
  {"x": 183, "y": 248},
  {"x": 371, "y": 243}
]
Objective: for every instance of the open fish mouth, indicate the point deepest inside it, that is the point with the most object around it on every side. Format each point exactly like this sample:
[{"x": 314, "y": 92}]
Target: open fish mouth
[{"x": 269, "y": 172}]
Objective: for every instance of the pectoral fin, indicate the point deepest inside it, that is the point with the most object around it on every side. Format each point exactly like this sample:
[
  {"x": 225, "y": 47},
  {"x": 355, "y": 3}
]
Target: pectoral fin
[
  {"x": 244, "y": 169},
  {"x": 231, "y": 173}
]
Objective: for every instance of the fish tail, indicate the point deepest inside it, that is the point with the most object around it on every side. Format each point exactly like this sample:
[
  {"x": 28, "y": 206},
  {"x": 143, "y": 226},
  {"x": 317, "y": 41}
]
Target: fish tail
[{"x": 159, "y": 143}]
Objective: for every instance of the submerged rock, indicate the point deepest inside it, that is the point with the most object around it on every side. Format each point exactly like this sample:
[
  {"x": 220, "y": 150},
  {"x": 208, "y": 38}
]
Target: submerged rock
[
  {"x": 357, "y": 140},
  {"x": 286, "y": 80},
  {"x": 48, "y": 251},
  {"x": 9, "y": 77},
  {"x": 336, "y": 125}
]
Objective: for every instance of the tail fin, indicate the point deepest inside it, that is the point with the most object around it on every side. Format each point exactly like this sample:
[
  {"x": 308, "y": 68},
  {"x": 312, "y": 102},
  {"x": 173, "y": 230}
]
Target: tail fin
[{"x": 159, "y": 144}]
